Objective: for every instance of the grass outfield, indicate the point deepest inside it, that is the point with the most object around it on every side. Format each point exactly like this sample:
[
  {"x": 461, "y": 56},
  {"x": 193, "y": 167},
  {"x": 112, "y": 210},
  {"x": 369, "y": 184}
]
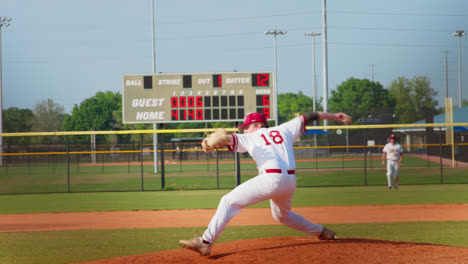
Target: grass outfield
[
  {"x": 60, "y": 247},
  {"x": 44, "y": 179},
  {"x": 208, "y": 199},
  {"x": 57, "y": 247}
]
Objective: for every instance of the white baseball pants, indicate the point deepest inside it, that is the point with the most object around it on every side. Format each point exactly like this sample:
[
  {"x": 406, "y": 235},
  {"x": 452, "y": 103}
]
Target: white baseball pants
[
  {"x": 279, "y": 188},
  {"x": 392, "y": 169}
]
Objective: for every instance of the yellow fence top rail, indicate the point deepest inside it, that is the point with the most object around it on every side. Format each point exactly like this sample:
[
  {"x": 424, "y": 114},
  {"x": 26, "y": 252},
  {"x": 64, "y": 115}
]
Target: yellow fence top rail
[{"x": 201, "y": 130}]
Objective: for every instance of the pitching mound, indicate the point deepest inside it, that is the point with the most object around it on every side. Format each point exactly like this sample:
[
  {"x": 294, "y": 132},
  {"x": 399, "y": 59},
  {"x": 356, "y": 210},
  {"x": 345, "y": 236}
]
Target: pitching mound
[{"x": 306, "y": 250}]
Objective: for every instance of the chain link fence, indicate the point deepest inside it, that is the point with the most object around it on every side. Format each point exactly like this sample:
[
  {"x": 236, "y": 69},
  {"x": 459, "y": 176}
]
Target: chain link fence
[{"x": 336, "y": 156}]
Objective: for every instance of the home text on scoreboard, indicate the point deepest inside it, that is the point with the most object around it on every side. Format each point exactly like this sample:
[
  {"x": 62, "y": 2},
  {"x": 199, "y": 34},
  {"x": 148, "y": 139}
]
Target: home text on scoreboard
[{"x": 196, "y": 97}]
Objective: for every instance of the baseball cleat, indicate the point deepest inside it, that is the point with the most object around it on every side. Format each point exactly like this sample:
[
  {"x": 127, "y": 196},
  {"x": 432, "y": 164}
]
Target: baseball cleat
[
  {"x": 327, "y": 234},
  {"x": 196, "y": 244}
]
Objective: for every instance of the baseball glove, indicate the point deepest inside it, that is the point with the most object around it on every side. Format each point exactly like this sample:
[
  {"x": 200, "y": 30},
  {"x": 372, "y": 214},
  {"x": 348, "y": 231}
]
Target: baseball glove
[{"x": 215, "y": 140}]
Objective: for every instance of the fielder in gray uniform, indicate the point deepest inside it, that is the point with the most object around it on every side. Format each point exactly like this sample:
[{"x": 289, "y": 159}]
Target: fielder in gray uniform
[{"x": 272, "y": 150}]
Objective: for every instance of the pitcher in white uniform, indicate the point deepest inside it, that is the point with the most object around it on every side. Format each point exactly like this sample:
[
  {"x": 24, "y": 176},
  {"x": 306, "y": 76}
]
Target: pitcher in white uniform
[
  {"x": 393, "y": 154},
  {"x": 272, "y": 150}
]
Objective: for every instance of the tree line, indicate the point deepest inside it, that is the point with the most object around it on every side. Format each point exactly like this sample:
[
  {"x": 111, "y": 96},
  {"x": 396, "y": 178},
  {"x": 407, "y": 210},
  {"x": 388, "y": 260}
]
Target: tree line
[{"x": 403, "y": 101}]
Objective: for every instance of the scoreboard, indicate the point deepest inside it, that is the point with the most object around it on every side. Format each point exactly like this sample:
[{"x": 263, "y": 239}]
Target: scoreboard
[{"x": 196, "y": 97}]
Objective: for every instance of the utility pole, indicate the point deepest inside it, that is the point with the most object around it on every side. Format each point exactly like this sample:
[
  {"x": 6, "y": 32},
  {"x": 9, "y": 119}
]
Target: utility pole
[
  {"x": 275, "y": 96},
  {"x": 314, "y": 92},
  {"x": 446, "y": 75},
  {"x": 325, "y": 59},
  {"x": 4, "y": 21},
  {"x": 155, "y": 125},
  {"x": 459, "y": 34}
]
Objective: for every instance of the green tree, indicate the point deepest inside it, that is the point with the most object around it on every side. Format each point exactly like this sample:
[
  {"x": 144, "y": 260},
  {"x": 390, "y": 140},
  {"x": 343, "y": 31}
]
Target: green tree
[
  {"x": 17, "y": 120},
  {"x": 360, "y": 98},
  {"x": 414, "y": 98},
  {"x": 48, "y": 116},
  {"x": 289, "y": 104},
  {"x": 464, "y": 103},
  {"x": 94, "y": 113}
]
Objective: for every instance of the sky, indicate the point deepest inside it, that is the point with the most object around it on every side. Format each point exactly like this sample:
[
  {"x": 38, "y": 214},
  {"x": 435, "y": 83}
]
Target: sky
[{"x": 69, "y": 50}]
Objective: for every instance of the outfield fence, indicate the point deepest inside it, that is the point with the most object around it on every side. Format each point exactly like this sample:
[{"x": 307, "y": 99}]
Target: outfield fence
[{"x": 326, "y": 156}]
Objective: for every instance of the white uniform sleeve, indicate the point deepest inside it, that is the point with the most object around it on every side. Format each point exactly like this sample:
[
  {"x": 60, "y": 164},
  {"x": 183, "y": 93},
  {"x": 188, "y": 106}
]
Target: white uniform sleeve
[
  {"x": 236, "y": 147},
  {"x": 385, "y": 149},
  {"x": 295, "y": 127}
]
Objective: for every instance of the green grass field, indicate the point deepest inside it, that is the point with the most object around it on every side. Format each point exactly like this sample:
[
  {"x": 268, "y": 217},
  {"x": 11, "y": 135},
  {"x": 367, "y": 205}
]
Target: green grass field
[
  {"x": 53, "y": 177},
  {"x": 332, "y": 182},
  {"x": 56, "y": 247}
]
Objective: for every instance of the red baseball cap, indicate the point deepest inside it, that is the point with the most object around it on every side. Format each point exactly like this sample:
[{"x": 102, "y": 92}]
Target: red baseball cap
[
  {"x": 392, "y": 136},
  {"x": 253, "y": 118}
]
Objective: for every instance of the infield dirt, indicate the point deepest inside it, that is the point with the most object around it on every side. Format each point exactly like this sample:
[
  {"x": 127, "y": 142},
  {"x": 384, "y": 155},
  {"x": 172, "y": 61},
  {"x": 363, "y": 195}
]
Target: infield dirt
[{"x": 268, "y": 250}]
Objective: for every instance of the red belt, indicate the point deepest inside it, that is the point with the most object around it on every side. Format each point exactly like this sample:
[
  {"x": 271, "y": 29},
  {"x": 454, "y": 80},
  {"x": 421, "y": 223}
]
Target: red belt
[{"x": 279, "y": 171}]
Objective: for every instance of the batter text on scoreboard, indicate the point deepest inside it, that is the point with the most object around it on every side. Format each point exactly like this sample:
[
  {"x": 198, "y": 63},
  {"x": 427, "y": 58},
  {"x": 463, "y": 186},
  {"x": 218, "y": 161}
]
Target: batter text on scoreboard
[{"x": 201, "y": 97}]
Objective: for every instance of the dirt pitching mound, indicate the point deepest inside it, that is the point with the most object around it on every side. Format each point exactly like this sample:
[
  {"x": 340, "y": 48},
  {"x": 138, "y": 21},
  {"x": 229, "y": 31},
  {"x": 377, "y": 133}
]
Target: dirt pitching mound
[{"x": 306, "y": 250}]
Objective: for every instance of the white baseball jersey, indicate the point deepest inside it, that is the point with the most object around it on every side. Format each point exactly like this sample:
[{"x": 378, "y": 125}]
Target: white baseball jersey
[
  {"x": 393, "y": 151},
  {"x": 272, "y": 148}
]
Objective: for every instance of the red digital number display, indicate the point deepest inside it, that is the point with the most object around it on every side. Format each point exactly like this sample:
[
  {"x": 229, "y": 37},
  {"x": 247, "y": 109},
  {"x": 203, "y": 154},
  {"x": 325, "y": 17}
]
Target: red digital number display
[
  {"x": 174, "y": 114},
  {"x": 266, "y": 112},
  {"x": 182, "y": 101},
  {"x": 263, "y": 103},
  {"x": 217, "y": 80},
  {"x": 260, "y": 79},
  {"x": 199, "y": 114},
  {"x": 189, "y": 103},
  {"x": 263, "y": 100},
  {"x": 174, "y": 102},
  {"x": 199, "y": 101}
]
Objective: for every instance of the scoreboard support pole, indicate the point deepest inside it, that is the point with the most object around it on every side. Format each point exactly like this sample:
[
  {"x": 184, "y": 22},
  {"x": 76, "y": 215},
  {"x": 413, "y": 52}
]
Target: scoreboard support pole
[
  {"x": 153, "y": 52},
  {"x": 237, "y": 158},
  {"x": 155, "y": 147},
  {"x": 141, "y": 164},
  {"x": 238, "y": 174},
  {"x": 163, "y": 179}
]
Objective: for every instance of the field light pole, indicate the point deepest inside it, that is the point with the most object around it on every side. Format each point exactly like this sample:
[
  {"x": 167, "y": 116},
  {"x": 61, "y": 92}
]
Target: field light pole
[
  {"x": 314, "y": 95},
  {"x": 275, "y": 96},
  {"x": 325, "y": 59},
  {"x": 155, "y": 125},
  {"x": 314, "y": 91},
  {"x": 459, "y": 34},
  {"x": 4, "y": 22},
  {"x": 446, "y": 74}
]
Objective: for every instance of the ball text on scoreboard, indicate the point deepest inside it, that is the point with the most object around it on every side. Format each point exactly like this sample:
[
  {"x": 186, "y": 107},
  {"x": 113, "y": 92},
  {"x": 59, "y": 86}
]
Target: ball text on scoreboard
[{"x": 196, "y": 97}]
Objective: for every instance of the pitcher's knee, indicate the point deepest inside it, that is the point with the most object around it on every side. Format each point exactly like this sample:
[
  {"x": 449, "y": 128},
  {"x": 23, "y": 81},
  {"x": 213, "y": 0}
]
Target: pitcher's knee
[
  {"x": 225, "y": 201},
  {"x": 228, "y": 202},
  {"x": 281, "y": 218}
]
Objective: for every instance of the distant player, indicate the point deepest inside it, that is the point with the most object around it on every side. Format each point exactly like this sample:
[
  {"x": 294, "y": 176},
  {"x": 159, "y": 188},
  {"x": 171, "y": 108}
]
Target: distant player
[
  {"x": 272, "y": 150},
  {"x": 393, "y": 153}
]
